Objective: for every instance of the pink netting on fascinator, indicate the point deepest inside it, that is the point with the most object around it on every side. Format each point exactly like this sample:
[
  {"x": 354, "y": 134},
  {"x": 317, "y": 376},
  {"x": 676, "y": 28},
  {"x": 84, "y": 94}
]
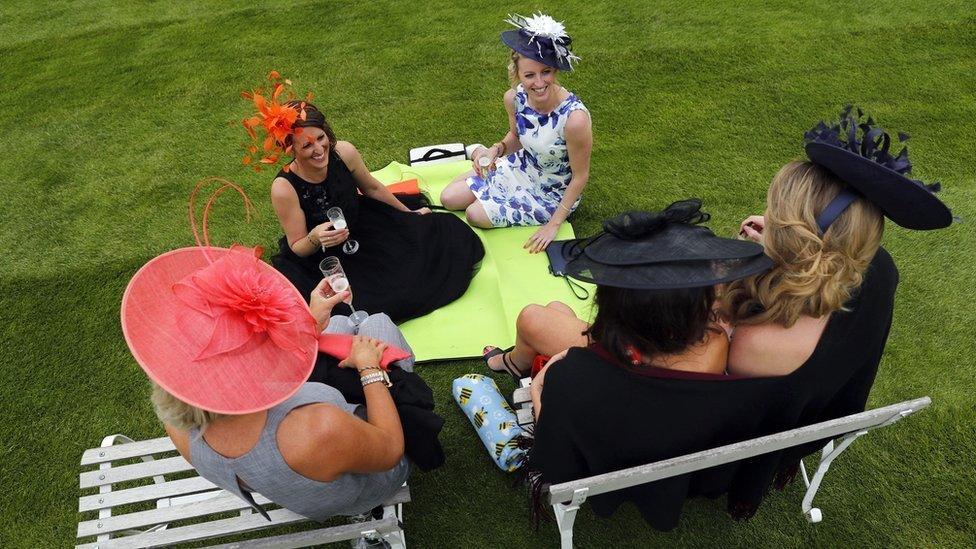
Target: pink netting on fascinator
[{"x": 219, "y": 328}]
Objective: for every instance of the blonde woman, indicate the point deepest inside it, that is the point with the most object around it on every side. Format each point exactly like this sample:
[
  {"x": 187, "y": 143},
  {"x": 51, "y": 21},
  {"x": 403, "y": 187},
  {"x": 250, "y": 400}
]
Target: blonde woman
[
  {"x": 536, "y": 174},
  {"x": 229, "y": 343},
  {"x": 830, "y": 296}
]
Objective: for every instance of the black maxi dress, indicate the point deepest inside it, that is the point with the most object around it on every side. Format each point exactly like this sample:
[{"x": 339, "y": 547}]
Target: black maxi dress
[
  {"x": 407, "y": 264},
  {"x": 597, "y": 417}
]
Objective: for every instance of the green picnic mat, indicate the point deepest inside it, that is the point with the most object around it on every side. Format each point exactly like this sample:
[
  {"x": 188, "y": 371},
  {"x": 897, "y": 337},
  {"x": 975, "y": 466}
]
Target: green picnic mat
[{"x": 510, "y": 278}]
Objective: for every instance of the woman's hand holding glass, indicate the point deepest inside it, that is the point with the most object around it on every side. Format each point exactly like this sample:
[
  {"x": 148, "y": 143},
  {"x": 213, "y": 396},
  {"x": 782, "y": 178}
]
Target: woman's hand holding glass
[
  {"x": 323, "y": 300},
  {"x": 484, "y": 159},
  {"x": 328, "y": 237}
]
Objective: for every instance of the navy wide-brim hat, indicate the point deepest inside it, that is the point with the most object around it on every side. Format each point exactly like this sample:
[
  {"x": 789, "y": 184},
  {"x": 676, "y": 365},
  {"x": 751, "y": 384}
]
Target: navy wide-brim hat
[
  {"x": 541, "y": 38},
  {"x": 663, "y": 251},
  {"x": 858, "y": 154}
]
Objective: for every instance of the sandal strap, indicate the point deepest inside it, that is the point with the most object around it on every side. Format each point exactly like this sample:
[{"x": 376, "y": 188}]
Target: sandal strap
[{"x": 511, "y": 367}]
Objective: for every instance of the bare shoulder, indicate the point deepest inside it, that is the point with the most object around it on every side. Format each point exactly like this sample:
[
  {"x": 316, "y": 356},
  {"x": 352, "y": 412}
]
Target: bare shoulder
[
  {"x": 180, "y": 438},
  {"x": 770, "y": 349},
  {"x": 282, "y": 189},
  {"x": 578, "y": 121},
  {"x": 306, "y": 439},
  {"x": 509, "y": 99},
  {"x": 346, "y": 150},
  {"x": 312, "y": 423}
]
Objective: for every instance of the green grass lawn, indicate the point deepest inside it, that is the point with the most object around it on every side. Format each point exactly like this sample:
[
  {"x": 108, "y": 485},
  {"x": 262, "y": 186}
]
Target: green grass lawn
[{"x": 112, "y": 110}]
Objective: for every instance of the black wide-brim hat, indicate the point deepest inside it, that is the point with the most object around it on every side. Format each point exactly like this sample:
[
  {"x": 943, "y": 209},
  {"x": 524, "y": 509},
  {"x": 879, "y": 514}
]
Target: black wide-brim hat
[
  {"x": 541, "y": 38},
  {"x": 662, "y": 251},
  {"x": 862, "y": 161}
]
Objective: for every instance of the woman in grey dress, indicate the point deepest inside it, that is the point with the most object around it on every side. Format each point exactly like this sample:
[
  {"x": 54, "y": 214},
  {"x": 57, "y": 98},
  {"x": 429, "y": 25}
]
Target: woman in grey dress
[{"x": 229, "y": 344}]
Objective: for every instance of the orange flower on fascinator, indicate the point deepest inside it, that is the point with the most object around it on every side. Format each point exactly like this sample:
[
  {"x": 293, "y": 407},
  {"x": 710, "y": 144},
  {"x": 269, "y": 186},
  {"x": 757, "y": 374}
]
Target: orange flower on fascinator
[{"x": 272, "y": 124}]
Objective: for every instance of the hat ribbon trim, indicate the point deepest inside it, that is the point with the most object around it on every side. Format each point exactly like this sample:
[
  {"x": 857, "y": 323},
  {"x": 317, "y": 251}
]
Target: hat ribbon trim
[{"x": 833, "y": 210}]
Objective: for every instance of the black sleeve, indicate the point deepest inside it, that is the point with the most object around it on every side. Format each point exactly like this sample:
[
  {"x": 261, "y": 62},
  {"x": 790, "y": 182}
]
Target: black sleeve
[{"x": 554, "y": 453}]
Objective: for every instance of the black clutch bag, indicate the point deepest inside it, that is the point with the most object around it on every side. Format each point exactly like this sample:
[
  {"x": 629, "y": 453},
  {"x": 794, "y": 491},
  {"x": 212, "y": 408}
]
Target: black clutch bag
[{"x": 558, "y": 254}]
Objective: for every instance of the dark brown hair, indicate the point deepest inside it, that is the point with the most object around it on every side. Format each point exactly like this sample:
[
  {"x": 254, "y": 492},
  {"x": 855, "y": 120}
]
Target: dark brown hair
[
  {"x": 652, "y": 322},
  {"x": 313, "y": 119}
]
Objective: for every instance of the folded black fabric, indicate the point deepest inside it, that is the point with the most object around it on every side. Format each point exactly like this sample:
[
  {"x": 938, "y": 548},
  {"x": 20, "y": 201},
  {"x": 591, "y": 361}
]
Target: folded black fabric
[{"x": 414, "y": 401}]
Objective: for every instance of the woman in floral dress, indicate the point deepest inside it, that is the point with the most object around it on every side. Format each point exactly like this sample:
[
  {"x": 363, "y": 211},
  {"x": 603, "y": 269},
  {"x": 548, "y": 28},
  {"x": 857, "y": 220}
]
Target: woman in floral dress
[{"x": 536, "y": 174}]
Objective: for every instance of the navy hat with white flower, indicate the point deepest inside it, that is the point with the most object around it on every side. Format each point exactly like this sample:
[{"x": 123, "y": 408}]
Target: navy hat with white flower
[
  {"x": 858, "y": 154},
  {"x": 541, "y": 38}
]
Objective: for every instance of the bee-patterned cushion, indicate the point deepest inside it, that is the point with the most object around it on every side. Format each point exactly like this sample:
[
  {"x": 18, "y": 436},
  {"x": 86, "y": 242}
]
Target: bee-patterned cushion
[{"x": 492, "y": 417}]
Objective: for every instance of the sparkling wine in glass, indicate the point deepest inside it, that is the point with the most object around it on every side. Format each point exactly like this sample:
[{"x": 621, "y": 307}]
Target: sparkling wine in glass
[
  {"x": 338, "y": 220},
  {"x": 483, "y": 164},
  {"x": 337, "y": 281}
]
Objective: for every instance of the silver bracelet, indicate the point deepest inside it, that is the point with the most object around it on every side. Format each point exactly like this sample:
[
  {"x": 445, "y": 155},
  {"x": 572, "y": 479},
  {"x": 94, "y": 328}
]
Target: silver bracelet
[
  {"x": 371, "y": 378},
  {"x": 380, "y": 376}
]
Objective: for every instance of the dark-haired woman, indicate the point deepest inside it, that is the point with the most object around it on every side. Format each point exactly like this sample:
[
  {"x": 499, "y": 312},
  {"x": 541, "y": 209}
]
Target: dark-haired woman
[
  {"x": 409, "y": 262},
  {"x": 810, "y": 333}
]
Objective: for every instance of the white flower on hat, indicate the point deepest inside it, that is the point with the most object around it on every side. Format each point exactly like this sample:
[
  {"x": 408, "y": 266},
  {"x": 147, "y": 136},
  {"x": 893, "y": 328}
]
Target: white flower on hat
[{"x": 539, "y": 24}]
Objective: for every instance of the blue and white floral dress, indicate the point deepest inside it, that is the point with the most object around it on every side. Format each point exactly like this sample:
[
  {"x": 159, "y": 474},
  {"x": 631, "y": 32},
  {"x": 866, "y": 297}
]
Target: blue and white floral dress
[{"x": 527, "y": 185}]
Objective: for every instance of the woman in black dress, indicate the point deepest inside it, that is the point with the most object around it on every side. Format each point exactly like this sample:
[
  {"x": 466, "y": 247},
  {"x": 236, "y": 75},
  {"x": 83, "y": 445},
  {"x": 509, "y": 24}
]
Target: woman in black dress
[
  {"x": 822, "y": 227},
  {"x": 409, "y": 262},
  {"x": 808, "y": 338}
]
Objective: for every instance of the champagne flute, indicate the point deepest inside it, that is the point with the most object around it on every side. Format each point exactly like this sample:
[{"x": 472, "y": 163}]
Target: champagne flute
[
  {"x": 338, "y": 220},
  {"x": 339, "y": 282},
  {"x": 483, "y": 163}
]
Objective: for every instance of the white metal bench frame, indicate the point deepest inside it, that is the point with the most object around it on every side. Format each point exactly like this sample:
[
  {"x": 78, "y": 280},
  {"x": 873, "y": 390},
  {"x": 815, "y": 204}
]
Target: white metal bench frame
[
  {"x": 567, "y": 497},
  {"x": 194, "y": 497}
]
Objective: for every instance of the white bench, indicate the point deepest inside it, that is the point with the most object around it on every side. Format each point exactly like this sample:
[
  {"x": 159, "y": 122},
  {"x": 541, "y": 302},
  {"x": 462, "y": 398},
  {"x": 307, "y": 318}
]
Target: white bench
[
  {"x": 567, "y": 497},
  {"x": 134, "y": 512}
]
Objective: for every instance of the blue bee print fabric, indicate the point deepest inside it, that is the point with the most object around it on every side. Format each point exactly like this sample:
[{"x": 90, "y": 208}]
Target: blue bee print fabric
[
  {"x": 492, "y": 417},
  {"x": 526, "y": 186}
]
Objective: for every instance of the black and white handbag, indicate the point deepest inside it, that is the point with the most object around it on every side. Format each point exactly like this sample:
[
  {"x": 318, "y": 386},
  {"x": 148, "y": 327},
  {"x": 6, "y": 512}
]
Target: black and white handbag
[{"x": 437, "y": 154}]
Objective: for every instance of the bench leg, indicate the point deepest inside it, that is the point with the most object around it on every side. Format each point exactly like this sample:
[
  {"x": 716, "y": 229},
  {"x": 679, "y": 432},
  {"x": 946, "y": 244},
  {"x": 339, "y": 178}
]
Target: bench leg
[
  {"x": 827, "y": 455},
  {"x": 397, "y": 539},
  {"x": 566, "y": 516}
]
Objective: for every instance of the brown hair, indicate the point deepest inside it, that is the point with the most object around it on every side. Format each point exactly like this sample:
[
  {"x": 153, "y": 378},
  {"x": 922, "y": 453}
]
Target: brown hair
[
  {"x": 313, "y": 119},
  {"x": 813, "y": 275},
  {"x": 681, "y": 319}
]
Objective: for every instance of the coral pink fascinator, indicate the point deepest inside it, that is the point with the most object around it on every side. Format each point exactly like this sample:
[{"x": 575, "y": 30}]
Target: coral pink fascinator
[{"x": 219, "y": 328}]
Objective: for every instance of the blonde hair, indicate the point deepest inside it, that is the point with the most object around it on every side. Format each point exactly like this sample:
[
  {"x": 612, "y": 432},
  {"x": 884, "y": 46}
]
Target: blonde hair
[
  {"x": 813, "y": 275},
  {"x": 173, "y": 411},
  {"x": 513, "y": 77}
]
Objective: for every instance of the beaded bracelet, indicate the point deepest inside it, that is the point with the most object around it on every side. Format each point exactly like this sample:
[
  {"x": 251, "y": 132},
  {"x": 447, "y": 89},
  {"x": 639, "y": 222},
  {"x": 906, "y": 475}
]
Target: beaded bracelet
[{"x": 372, "y": 378}]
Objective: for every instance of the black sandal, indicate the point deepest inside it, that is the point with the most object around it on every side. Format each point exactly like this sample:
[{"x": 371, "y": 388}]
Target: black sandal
[{"x": 510, "y": 367}]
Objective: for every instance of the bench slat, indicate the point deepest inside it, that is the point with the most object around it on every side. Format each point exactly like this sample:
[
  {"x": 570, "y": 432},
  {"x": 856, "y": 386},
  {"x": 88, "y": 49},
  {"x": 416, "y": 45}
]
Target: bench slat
[
  {"x": 141, "y": 519},
  {"x": 206, "y": 530},
  {"x": 218, "y": 504},
  {"x": 135, "y": 471},
  {"x": 314, "y": 537},
  {"x": 127, "y": 450},
  {"x": 524, "y": 416},
  {"x": 625, "y": 478},
  {"x": 149, "y": 492},
  {"x": 522, "y": 395}
]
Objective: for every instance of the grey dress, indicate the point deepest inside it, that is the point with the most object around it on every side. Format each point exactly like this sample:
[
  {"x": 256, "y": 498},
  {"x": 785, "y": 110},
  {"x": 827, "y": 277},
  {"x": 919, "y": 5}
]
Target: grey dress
[{"x": 264, "y": 470}]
